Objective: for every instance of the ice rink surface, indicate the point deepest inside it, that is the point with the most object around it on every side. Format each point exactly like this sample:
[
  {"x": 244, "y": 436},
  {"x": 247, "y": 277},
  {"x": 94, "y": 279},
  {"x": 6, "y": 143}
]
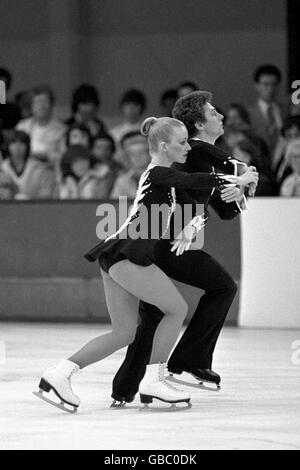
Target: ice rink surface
[{"x": 258, "y": 406}]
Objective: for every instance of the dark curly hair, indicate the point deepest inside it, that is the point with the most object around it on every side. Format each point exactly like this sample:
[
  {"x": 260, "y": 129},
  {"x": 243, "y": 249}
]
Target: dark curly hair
[{"x": 189, "y": 109}]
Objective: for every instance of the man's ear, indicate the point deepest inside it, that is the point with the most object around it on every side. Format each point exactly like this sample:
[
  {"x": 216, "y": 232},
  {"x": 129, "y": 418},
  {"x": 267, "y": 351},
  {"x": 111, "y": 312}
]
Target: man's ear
[{"x": 199, "y": 126}]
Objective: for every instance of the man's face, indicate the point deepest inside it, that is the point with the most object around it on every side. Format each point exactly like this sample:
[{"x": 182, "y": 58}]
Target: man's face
[
  {"x": 213, "y": 125},
  {"x": 267, "y": 87}
]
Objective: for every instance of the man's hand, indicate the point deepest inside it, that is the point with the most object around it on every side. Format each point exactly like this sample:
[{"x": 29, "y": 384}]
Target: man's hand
[{"x": 232, "y": 194}]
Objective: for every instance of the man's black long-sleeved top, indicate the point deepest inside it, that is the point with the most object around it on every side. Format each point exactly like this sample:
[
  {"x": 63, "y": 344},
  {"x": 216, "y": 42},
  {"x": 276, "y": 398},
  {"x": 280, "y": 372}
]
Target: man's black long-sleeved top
[{"x": 204, "y": 157}]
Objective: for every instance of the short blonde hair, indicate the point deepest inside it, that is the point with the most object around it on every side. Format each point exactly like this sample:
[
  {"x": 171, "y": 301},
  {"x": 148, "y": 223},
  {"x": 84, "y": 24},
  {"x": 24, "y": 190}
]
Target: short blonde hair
[{"x": 159, "y": 130}]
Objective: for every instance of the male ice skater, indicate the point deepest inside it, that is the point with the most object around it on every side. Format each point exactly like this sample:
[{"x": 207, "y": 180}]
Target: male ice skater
[{"x": 194, "y": 352}]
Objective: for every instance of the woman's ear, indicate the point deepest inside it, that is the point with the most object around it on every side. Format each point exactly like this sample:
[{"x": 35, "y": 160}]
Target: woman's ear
[{"x": 163, "y": 146}]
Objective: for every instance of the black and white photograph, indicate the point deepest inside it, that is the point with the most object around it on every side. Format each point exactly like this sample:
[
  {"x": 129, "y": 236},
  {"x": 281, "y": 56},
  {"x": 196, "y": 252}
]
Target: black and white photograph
[{"x": 149, "y": 227}]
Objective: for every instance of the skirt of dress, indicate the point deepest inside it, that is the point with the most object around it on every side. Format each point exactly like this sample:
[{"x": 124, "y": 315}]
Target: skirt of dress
[{"x": 140, "y": 252}]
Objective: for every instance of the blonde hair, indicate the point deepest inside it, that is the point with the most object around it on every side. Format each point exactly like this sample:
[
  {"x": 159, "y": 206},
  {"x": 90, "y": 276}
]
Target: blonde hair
[{"x": 159, "y": 130}]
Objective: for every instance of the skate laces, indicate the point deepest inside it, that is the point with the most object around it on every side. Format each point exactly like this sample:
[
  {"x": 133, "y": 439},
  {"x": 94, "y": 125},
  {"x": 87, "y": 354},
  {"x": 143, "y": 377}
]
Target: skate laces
[{"x": 162, "y": 378}]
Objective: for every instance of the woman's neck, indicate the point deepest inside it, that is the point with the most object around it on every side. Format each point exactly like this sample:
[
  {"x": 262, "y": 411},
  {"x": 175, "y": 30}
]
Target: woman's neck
[{"x": 160, "y": 160}]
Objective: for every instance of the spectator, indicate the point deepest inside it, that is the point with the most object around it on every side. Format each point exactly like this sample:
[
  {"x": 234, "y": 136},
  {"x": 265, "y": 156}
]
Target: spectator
[
  {"x": 9, "y": 113},
  {"x": 185, "y": 88},
  {"x": 290, "y": 132},
  {"x": 85, "y": 106},
  {"x": 246, "y": 152},
  {"x": 136, "y": 150},
  {"x": 33, "y": 178},
  {"x": 80, "y": 181},
  {"x": 78, "y": 134},
  {"x": 291, "y": 185},
  {"x": 8, "y": 189},
  {"x": 267, "y": 114},
  {"x": 167, "y": 102},
  {"x": 105, "y": 168},
  {"x": 238, "y": 128},
  {"x": 132, "y": 105},
  {"x": 46, "y": 133}
]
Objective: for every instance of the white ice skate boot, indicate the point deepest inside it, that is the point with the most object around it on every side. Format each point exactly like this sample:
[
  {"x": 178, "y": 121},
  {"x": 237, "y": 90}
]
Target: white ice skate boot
[
  {"x": 154, "y": 385},
  {"x": 58, "y": 379}
]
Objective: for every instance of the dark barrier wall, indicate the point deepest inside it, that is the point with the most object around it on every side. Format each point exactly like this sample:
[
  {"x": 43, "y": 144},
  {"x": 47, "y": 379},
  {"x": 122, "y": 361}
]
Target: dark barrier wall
[{"x": 44, "y": 276}]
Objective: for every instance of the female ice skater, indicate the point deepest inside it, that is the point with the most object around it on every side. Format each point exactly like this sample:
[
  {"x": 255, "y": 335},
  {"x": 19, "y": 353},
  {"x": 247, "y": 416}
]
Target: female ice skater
[{"x": 130, "y": 274}]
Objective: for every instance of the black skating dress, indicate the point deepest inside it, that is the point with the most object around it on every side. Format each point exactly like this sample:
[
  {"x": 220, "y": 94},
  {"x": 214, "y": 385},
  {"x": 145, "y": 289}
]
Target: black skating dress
[{"x": 158, "y": 186}]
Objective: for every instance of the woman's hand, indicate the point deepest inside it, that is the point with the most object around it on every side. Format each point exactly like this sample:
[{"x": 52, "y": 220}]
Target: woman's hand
[
  {"x": 183, "y": 240},
  {"x": 250, "y": 176}
]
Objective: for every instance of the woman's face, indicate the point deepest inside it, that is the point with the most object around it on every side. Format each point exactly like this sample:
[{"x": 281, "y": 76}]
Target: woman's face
[
  {"x": 78, "y": 137},
  {"x": 234, "y": 120},
  {"x": 102, "y": 150},
  {"x": 17, "y": 150},
  {"x": 178, "y": 147},
  {"x": 80, "y": 167},
  {"x": 41, "y": 106}
]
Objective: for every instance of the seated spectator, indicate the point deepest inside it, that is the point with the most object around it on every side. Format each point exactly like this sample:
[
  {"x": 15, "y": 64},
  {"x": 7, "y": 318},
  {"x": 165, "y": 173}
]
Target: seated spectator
[
  {"x": 246, "y": 152},
  {"x": 185, "y": 88},
  {"x": 104, "y": 166},
  {"x": 8, "y": 189},
  {"x": 167, "y": 101},
  {"x": 78, "y": 134},
  {"x": 136, "y": 150},
  {"x": 238, "y": 128},
  {"x": 33, "y": 178},
  {"x": 85, "y": 106},
  {"x": 9, "y": 113},
  {"x": 80, "y": 178},
  {"x": 132, "y": 106},
  {"x": 290, "y": 132},
  {"x": 291, "y": 184},
  {"x": 46, "y": 133}
]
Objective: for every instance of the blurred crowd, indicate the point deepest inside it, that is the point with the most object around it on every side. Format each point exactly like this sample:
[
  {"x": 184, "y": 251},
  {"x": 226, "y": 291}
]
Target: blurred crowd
[{"x": 42, "y": 157}]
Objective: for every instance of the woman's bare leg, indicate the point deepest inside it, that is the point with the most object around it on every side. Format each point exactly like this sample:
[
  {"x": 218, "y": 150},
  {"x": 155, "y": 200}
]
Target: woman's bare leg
[
  {"x": 152, "y": 285},
  {"x": 123, "y": 310}
]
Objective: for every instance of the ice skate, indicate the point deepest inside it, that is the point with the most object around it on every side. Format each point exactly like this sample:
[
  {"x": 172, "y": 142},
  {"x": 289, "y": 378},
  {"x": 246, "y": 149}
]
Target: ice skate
[
  {"x": 154, "y": 385},
  {"x": 58, "y": 379},
  {"x": 203, "y": 375}
]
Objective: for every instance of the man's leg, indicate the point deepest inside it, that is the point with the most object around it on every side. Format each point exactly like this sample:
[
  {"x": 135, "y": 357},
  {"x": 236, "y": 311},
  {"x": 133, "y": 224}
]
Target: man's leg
[
  {"x": 127, "y": 379},
  {"x": 199, "y": 269}
]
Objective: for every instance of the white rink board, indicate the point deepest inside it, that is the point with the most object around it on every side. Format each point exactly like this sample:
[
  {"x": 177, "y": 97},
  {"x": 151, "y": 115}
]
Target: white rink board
[{"x": 270, "y": 287}]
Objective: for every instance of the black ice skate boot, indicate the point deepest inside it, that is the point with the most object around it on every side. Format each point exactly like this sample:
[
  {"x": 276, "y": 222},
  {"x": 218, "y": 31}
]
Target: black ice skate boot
[{"x": 203, "y": 375}]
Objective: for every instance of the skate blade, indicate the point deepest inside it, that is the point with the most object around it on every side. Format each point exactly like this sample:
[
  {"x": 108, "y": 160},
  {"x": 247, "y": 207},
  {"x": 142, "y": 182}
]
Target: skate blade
[
  {"x": 199, "y": 385},
  {"x": 171, "y": 409},
  {"x": 61, "y": 405},
  {"x": 118, "y": 404}
]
